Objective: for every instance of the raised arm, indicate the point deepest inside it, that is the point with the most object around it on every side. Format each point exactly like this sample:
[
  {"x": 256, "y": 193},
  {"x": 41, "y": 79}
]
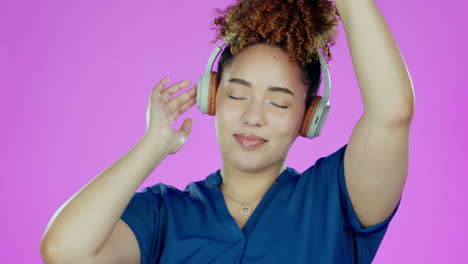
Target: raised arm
[
  {"x": 376, "y": 158},
  {"x": 87, "y": 228}
]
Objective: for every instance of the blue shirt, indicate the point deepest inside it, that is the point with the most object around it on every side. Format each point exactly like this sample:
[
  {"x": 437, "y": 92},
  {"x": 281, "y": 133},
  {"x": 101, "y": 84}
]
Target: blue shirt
[{"x": 303, "y": 218}]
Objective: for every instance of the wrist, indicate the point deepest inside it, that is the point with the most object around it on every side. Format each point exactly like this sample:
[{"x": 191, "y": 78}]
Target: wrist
[{"x": 158, "y": 145}]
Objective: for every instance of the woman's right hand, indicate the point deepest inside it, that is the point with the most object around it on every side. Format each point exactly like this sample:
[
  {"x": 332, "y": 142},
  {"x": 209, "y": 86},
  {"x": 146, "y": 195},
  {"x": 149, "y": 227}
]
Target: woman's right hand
[{"x": 163, "y": 110}]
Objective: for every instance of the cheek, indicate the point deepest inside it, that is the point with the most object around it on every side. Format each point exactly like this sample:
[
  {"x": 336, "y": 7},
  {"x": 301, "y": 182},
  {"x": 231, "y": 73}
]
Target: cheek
[
  {"x": 222, "y": 108},
  {"x": 288, "y": 124},
  {"x": 225, "y": 113}
]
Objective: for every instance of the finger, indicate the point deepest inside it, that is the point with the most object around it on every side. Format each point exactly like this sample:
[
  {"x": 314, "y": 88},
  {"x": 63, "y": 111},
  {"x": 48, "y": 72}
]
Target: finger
[
  {"x": 181, "y": 99},
  {"x": 161, "y": 84},
  {"x": 176, "y": 87},
  {"x": 185, "y": 128},
  {"x": 182, "y": 109}
]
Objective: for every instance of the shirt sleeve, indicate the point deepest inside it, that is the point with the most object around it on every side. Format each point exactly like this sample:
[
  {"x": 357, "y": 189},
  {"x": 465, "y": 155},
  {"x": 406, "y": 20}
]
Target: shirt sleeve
[
  {"x": 141, "y": 215},
  {"x": 366, "y": 240},
  {"x": 350, "y": 216}
]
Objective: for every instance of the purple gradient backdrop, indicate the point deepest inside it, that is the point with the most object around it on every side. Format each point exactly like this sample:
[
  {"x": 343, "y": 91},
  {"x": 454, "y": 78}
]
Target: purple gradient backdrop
[{"x": 76, "y": 78}]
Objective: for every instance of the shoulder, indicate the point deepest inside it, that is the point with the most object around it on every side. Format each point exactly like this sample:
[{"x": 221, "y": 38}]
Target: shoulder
[
  {"x": 194, "y": 191},
  {"x": 325, "y": 167},
  {"x": 330, "y": 161}
]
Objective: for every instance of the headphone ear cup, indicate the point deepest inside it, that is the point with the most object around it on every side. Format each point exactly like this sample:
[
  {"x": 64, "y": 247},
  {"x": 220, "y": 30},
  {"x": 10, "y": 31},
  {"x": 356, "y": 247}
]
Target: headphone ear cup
[
  {"x": 202, "y": 93},
  {"x": 212, "y": 93},
  {"x": 307, "y": 127},
  {"x": 321, "y": 121},
  {"x": 206, "y": 93}
]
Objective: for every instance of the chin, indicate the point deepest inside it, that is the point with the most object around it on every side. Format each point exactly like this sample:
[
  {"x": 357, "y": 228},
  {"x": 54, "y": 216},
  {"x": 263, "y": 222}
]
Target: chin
[
  {"x": 250, "y": 162},
  {"x": 249, "y": 166}
]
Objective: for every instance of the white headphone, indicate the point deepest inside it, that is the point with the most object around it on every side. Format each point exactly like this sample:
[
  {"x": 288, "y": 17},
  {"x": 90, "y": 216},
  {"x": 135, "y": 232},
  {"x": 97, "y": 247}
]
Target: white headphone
[{"x": 314, "y": 117}]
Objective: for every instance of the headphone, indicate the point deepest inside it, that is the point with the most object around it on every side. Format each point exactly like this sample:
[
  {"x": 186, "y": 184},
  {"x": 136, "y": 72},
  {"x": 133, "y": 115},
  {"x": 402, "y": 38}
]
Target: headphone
[{"x": 314, "y": 117}]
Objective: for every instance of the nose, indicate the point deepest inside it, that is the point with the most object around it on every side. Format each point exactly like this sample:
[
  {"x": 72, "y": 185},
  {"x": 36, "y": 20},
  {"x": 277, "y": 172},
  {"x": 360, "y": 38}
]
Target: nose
[{"x": 254, "y": 115}]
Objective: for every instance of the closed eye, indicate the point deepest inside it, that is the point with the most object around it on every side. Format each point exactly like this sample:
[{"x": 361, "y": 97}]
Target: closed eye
[
  {"x": 235, "y": 98},
  {"x": 242, "y": 98},
  {"x": 280, "y": 106}
]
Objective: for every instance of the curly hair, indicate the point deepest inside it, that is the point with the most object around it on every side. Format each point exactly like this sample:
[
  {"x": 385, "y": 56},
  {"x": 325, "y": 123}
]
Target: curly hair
[{"x": 299, "y": 27}]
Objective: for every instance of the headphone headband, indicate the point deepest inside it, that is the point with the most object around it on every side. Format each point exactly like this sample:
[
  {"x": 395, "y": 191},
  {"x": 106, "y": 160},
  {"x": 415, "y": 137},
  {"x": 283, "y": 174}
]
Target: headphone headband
[
  {"x": 213, "y": 56},
  {"x": 326, "y": 77}
]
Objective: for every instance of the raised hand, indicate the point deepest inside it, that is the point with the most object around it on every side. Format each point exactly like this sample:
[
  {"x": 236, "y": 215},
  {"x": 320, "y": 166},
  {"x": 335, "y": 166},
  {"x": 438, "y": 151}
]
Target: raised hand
[{"x": 163, "y": 111}]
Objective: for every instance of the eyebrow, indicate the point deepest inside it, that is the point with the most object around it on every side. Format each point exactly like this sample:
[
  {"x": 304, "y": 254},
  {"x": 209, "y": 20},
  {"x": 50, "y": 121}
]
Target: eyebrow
[{"x": 270, "y": 88}]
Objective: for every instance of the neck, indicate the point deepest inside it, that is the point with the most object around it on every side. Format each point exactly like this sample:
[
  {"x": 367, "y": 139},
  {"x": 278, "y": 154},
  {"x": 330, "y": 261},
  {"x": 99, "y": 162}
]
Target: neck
[{"x": 245, "y": 186}]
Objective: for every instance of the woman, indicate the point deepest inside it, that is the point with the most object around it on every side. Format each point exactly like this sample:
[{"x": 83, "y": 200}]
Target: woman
[{"x": 255, "y": 209}]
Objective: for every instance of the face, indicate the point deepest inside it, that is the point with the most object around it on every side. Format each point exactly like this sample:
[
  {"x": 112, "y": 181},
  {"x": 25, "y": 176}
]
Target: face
[{"x": 260, "y": 104}]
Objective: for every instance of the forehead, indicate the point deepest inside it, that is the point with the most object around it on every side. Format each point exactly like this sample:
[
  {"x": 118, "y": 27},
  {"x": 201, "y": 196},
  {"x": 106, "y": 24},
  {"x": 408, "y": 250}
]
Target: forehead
[{"x": 265, "y": 65}]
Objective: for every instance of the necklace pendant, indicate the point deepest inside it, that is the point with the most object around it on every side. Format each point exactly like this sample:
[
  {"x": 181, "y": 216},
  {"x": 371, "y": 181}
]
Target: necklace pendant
[{"x": 245, "y": 210}]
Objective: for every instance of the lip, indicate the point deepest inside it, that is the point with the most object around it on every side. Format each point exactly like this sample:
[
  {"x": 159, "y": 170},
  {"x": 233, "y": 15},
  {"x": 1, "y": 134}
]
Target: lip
[{"x": 250, "y": 141}]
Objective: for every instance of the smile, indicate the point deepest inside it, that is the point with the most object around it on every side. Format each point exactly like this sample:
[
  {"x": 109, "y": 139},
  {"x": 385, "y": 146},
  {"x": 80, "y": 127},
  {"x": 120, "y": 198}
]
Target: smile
[{"x": 250, "y": 142}]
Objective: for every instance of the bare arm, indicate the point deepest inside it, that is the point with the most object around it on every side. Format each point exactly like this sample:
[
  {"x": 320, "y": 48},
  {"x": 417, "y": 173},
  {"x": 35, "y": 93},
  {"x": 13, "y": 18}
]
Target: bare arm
[
  {"x": 87, "y": 228},
  {"x": 83, "y": 223},
  {"x": 376, "y": 159}
]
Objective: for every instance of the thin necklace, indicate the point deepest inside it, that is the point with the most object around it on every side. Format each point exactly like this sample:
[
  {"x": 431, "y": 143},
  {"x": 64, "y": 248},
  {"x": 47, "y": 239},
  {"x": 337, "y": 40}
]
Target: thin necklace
[{"x": 245, "y": 209}]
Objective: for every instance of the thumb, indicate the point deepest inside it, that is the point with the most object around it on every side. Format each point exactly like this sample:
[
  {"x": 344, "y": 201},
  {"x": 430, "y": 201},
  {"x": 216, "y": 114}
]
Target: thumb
[{"x": 185, "y": 128}]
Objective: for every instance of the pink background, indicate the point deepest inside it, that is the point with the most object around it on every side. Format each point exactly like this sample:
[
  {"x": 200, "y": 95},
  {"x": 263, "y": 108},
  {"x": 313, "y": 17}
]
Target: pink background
[{"x": 76, "y": 78}]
